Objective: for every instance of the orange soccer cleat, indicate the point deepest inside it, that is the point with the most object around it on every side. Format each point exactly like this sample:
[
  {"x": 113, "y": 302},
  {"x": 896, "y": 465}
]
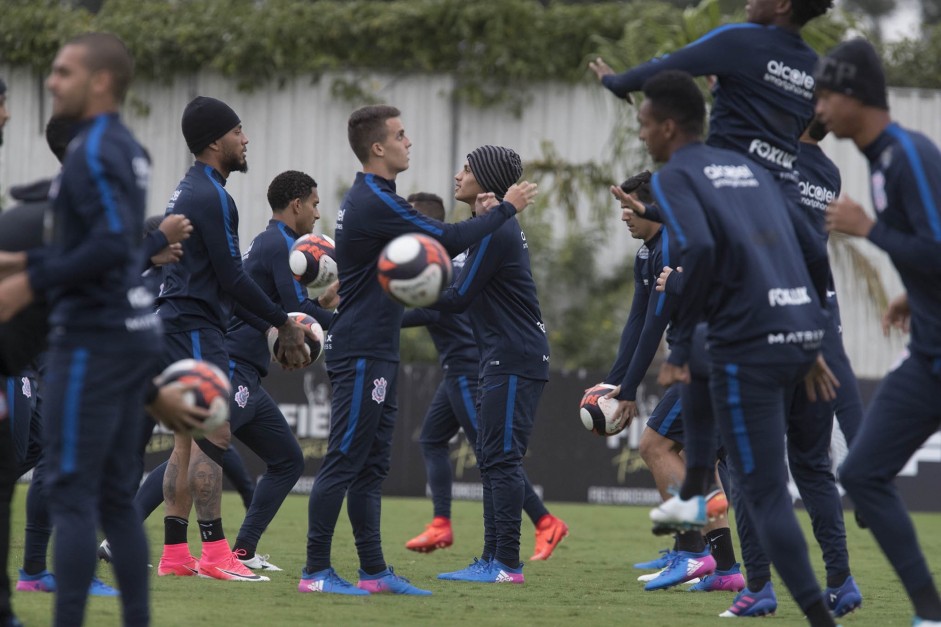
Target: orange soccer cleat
[
  {"x": 437, "y": 535},
  {"x": 549, "y": 533},
  {"x": 716, "y": 504}
]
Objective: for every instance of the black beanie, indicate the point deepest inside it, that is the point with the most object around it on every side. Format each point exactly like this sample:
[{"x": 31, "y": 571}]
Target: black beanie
[
  {"x": 853, "y": 69},
  {"x": 205, "y": 120},
  {"x": 495, "y": 168}
]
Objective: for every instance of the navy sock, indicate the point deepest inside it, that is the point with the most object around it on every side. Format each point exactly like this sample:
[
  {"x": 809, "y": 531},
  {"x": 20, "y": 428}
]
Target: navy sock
[
  {"x": 691, "y": 541},
  {"x": 927, "y": 604},
  {"x": 818, "y": 615},
  {"x": 757, "y": 583},
  {"x": 697, "y": 479},
  {"x": 247, "y": 547},
  {"x": 374, "y": 569},
  {"x": 835, "y": 581}
]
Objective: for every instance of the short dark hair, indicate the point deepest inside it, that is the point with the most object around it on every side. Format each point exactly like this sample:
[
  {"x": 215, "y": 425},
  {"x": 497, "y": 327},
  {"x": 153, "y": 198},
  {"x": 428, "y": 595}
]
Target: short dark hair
[
  {"x": 105, "y": 51},
  {"x": 675, "y": 96},
  {"x": 367, "y": 125},
  {"x": 59, "y": 132},
  {"x": 802, "y": 11},
  {"x": 428, "y": 204},
  {"x": 287, "y": 186}
]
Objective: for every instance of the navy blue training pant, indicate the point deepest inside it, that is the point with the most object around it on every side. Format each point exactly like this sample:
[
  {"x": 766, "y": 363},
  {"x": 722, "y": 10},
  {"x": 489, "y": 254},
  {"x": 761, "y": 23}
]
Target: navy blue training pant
[
  {"x": 902, "y": 415},
  {"x": 359, "y": 449},
  {"x": 257, "y": 421},
  {"x": 92, "y": 398},
  {"x": 848, "y": 405},
  {"x": 749, "y": 405},
  {"x": 453, "y": 408},
  {"x": 505, "y": 413}
]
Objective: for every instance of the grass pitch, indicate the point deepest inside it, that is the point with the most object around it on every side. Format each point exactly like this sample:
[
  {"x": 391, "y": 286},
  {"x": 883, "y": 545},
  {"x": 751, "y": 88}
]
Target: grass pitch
[{"x": 589, "y": 580}]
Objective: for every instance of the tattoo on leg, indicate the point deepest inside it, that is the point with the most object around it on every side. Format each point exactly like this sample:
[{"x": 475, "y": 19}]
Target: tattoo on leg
[
  {"x": 170, "y": 478},
  {"x": 206, "y": 486}
]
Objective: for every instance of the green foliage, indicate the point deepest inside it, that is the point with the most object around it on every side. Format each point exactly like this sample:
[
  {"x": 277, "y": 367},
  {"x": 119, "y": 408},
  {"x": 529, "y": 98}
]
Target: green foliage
[{"x": 914, "y": 62}]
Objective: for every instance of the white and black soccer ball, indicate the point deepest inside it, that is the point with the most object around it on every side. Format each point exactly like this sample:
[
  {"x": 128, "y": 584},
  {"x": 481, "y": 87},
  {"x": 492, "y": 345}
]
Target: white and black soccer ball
[
  {"x": 314, "y": 346},
  {"x": 211, "y": 389},
  {"x": 313, "y": 262},
  {"x": 596, "y": 411},
  {"x": 414, "y": 269}
]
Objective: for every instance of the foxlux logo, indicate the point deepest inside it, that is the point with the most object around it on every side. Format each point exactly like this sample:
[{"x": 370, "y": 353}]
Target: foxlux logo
[
  {"x": 771, "y": 154},
  {"x": 782, "y": 297}
]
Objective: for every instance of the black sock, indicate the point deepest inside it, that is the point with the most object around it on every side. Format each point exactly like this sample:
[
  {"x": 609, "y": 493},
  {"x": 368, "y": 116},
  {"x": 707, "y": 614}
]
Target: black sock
[
  {"x": 695, "y": 482},
  {"x": 837, "y": 580},
  {"x": 315, "y": 567},
  {"x": 720, "y": 543},
  {"x": 211, "y": 530},
  {"x": 757, "y": 583},
  {"x": 33, "y": 568},
  {"x": 927, "y": 604},
  {"x": 818, "y": 615},
  {"x": 174, "y": 530},
  {"x": 690, "y": 541},
  {"x": 241, "y": 545},
  {"x": 374, "y": 569}
]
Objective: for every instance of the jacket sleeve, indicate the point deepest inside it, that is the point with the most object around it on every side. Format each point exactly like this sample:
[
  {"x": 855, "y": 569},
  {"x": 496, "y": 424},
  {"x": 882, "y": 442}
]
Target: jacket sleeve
[
  {"x": 630, "y": 336},
  {"x": 97, "y": 187},
  {"x": 482, "y": 263},
  {"x": 219, "y": 236},
  {"x": 686, "y": 219},
  {"x": 420, "y": 317},
  {"x": 717, "y": 52}
]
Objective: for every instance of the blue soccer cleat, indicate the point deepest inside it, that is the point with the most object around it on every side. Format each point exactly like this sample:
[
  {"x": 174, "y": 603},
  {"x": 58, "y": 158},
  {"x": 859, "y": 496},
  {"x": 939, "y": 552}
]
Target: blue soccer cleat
[
  {"x": 329, "y": 582},
  {"x": 99, "y": 588},
  {"x": 657, "y": 564},
  {"x": 748, "y": 603},
  {"x": 730, "y": 580},
  {"x": 844, "y": 599},
  {"x": 684, "y": 567},
  {"x": 388, "y": 582},
  {"x": 921, "y": 622},
  {"x": 470, "y": 573}
]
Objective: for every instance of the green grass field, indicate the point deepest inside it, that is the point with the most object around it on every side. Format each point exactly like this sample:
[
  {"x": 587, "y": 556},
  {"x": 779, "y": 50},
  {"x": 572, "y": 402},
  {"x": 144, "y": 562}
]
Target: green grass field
[{"x": 589, "y": 580}]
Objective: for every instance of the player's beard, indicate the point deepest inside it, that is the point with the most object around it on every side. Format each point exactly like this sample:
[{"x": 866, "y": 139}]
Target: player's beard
[{"x": 235, "y": 162}]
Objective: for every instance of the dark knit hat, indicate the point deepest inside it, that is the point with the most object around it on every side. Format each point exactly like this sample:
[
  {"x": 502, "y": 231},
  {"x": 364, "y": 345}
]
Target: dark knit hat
[
  {"x": 496, "y": 168},
  {"x": 205, "y": 120},
  {"x": 853, "y": 69}
]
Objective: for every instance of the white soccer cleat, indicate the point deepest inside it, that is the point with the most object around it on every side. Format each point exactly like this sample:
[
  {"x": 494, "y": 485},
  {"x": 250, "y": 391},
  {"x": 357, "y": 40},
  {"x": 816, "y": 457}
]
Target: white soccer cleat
[
  {"x": 258, "y": 562},
  {"x": 677, "y": 514}
]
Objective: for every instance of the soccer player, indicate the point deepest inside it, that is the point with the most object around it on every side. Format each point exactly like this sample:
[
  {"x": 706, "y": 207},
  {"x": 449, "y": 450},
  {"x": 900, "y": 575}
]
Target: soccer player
[
  {"x": 254, "y": 417},
  {"x": 662, "y": 439},
  {"x": 363, "y": 350},
  {"x": 452, "y": 408},
  {"x": 197, "y": 300},
  {"x": 497, "y": 290},
  {"x": 905, "y": 177},
  {"x": 105, "y": 339},
  {"x": 765, "y": 323}
]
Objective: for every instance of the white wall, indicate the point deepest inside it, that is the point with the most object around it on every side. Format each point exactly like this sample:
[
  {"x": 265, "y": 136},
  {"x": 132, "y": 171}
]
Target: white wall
[{"x": 302, "y": 126}]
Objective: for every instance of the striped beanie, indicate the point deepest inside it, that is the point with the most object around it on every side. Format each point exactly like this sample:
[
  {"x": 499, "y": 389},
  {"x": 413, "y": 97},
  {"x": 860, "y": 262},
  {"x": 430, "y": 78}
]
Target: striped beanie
[{"x": 496, "y": 168}]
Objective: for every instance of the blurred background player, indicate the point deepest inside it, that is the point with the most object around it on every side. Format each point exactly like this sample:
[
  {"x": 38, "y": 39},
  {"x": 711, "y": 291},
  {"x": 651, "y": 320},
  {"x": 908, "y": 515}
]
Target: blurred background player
[
  {"x": 905, "y": 176},
  {"x": 662, "y": 439},
  {"x": 453, "y": 409},
  {"x": 363, "y": 351},
  {"x": 497, "y": 291},
  {"x": 106, "y": 339}
]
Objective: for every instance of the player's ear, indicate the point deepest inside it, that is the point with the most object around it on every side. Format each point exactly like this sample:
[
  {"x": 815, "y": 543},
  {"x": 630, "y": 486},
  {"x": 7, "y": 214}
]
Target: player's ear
[{"x": 377, "y": 150}]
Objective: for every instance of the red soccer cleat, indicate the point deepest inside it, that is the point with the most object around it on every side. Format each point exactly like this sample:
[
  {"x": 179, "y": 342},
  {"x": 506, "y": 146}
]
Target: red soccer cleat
[
  {"x": 549, "y": 533},
  {"x": 437, "y": 535}
]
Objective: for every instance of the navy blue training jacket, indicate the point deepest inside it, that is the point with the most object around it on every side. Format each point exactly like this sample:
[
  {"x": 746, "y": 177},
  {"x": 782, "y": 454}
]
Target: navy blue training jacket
[
  {"x": 742, "y": 269},
  {"x": 368, "y": 322},
  {"x": 90, "y": 270},
  {"x": 650, "y": 314},
  {"x": 201, "y": 291},
  {"x": 764, "y": 97},
  {"x": 905, "y": 178},
  {"x": 266, "y": 262},
  {"x": 497, "y": 290},
  {"x": 819, "y": 184}
]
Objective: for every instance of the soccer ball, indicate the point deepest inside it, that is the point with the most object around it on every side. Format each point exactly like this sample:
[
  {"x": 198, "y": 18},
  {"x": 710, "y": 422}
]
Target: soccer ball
[
  {"x": 414, "y": 269},
  {"x": 212, "y": 389},
  {"x": 313, "y": 261},
  {"x": 314, "y": 347},
  {"x": 596, "y": 410}
]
